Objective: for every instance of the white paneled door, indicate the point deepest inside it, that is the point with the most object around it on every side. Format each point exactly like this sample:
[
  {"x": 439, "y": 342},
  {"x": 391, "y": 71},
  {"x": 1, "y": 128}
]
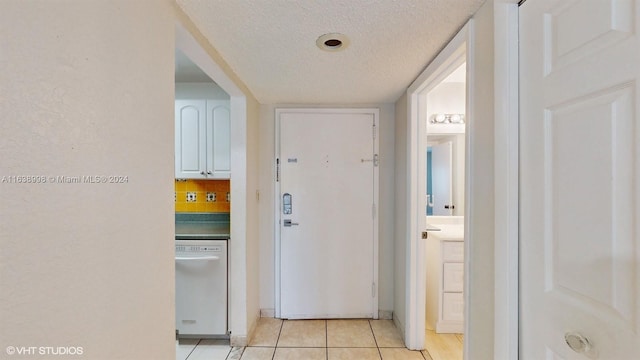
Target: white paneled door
[
  {"x": 327, "y": 213},
  {"x": 580, "y": 161}
]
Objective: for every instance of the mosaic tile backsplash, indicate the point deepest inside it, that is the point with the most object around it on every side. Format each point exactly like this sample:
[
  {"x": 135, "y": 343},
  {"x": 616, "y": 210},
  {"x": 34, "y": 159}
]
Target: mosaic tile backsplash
[{"x": 202, "y": 195}]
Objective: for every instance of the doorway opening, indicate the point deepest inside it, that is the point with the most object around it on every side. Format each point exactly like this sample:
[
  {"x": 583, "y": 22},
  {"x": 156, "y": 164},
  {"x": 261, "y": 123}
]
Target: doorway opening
[
  {"x": 438, "y": 182},
  {"x": 196, "y": 53},
  {"x": 445, "y": 182}
]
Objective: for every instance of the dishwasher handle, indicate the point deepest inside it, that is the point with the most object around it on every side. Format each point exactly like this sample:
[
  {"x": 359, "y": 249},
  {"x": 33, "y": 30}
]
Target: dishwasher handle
[{"x": 187, "y": 258}]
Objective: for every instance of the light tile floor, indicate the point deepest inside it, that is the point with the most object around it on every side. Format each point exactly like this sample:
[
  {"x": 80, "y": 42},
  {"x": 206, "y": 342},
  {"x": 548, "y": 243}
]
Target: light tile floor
[
  {"x": 276, "y": 339},
  {"x": 197, "y": 349}
]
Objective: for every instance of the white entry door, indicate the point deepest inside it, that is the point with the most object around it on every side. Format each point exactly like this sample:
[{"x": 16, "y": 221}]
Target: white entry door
[
  {"x": 328, "y": 226},
  {"x": 580, "y": 162},
  {"x": 441, "y": 176}
]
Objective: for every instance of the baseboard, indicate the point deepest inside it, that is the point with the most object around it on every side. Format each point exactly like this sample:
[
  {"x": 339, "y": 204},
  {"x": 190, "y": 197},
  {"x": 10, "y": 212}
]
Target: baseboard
[
  {"x": 238, "y": 340},
  {"x": 267, "y": 313},
  {"x": 385, "y": 314},
  {"x": 242, "y": 340},
  {"x": 450, "y": 327},
  {"x": 382, "y": 314},
  {"x": 400, "y": 327}
]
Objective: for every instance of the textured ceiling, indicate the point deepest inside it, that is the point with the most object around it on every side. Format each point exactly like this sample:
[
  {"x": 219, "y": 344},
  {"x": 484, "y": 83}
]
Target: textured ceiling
[{"x": 271, "y": 44}]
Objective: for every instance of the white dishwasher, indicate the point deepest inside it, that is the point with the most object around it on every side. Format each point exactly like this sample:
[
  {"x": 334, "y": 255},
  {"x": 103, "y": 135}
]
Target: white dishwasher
[{"x": 201, "y": 288}]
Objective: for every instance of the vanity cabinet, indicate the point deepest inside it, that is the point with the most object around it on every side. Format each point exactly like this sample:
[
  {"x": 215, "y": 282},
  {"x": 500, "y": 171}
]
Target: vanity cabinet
[
  {"x": 445, "y": 283},
  {"x": 202, "y": 139}
]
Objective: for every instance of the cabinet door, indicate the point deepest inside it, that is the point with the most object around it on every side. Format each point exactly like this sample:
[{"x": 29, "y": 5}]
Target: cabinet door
[
  {"x": 453, "y": 277},
  {"x": 190, "y": 139},
  {"x": 452, "y": 307},
  {"x": 218, "y": 139},
  {"x": 452, "y": 251}
]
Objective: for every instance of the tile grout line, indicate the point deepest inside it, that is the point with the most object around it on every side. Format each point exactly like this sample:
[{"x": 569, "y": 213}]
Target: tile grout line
[
  {"x": 326, "y": 339},
  {"x": 192, "y": 350},
  {"x": 231, "y": 351},
  {"x": 374, "y": 338},
  {"x": 277, "y": 340}
]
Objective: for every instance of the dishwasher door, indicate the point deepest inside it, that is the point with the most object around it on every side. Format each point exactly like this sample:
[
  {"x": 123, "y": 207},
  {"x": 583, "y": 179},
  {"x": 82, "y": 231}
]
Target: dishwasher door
[{"x": 201, "y": 288}]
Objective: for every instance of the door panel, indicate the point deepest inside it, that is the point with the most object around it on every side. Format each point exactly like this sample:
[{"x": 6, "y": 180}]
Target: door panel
[
  {"x": 327, "y": 259},
  {"x": 579, "y": 66}
]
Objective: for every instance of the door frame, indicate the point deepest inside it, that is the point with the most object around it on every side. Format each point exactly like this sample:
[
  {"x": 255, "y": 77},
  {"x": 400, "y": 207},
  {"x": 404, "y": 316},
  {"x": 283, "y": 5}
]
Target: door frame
[
  {"x": 452, "y": 56},
  {"x": 506, "y": 180},
  {"x": 505, "y": 287},
  {"x": 376, "y": 195}
]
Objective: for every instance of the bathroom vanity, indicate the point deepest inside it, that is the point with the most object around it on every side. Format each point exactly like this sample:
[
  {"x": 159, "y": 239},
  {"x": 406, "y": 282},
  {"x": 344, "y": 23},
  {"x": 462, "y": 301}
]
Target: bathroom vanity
[{"x": 445, "y": 278}]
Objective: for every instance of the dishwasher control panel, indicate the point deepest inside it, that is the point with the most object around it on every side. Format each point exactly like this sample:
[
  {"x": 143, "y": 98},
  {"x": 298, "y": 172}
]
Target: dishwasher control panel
[{"x": 198, "y": 248}]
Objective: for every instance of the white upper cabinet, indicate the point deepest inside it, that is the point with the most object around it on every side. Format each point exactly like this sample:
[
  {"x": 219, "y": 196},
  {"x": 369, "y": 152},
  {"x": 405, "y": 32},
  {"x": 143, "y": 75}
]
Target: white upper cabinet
[
  {"x": 219, "y": 131},
  {"x": 202, "y": 139}
]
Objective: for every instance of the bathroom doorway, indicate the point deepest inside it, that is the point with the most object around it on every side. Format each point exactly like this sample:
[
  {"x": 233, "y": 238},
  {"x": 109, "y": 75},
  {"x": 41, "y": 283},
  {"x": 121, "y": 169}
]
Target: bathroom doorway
[
  {"x": 434, "y": 122},
  {"x": 444, "y": 142}
]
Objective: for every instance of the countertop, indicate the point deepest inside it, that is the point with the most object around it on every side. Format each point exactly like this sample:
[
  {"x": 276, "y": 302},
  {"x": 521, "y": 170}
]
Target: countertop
[
  {"x": 446, "y": 232},
  {"x": 202, "y": 226}
]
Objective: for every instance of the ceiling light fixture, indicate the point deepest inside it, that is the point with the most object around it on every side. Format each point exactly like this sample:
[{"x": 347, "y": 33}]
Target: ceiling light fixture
[
  {"x": 447, "y": 119},
  {"x": 332, "y": 42}
]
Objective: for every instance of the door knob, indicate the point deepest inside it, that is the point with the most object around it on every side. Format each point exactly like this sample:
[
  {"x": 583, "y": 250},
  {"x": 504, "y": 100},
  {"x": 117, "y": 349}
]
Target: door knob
[
  {"x": 288, "y": 223},
  {"x": 578, "y": 343}
]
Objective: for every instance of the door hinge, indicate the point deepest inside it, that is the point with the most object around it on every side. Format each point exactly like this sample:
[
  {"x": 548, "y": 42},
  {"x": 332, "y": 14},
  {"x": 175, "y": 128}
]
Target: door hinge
[
  {"x": 374, "y": 131},
  {"x": 277, "y": 169},
  {"x": 373, "y": 289}
]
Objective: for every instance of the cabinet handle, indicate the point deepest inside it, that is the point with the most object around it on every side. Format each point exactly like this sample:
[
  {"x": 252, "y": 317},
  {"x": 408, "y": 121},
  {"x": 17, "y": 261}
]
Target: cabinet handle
[
  {"x": 197, "y": 258},
  {"x": 209, "y": 172},
  {"x": 201, "y": 172}
]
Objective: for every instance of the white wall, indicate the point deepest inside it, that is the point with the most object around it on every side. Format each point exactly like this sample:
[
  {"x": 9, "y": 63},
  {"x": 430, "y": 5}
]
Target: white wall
[
  {"x": 447, "y": 98},
  {"x": 92, "y": 265},
  {"x": 481, "y": 211},
  {"x": 253, "y": 216},
  {"x": 386, "y": 208},
  {"x": 209, "y": 90},
  {"x": 87, "y": 89},
  {"x": 402, "y": 215}
]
